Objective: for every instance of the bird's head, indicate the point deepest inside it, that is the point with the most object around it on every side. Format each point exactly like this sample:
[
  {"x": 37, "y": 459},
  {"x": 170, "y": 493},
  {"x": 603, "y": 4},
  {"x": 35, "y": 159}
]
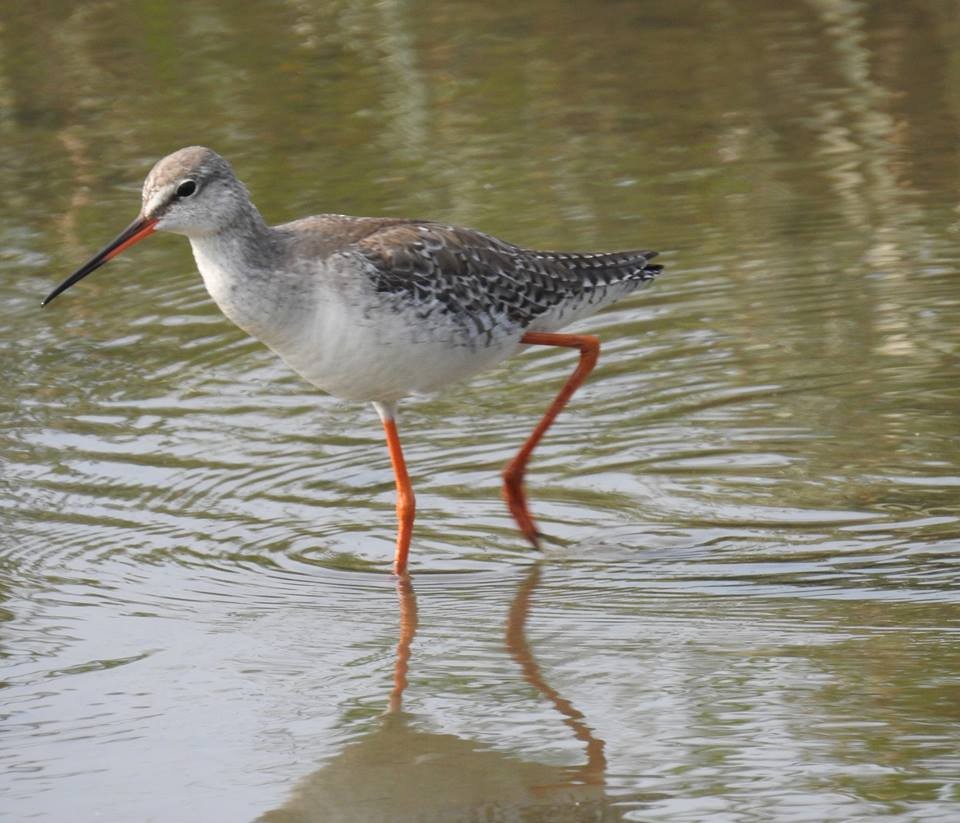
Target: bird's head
[{"x": 192, "y": 191}]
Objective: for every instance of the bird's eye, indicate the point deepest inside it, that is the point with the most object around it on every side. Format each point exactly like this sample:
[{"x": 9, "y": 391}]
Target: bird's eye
[{"x": 186, "y": 188}]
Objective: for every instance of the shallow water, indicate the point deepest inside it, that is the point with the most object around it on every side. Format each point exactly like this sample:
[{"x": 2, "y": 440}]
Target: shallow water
[{"x": 747, "y": 607}]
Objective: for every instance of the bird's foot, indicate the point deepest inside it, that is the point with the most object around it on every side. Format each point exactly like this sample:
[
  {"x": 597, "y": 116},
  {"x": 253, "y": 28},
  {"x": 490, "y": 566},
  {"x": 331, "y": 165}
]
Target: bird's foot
[{"x": 516, "y": 498}]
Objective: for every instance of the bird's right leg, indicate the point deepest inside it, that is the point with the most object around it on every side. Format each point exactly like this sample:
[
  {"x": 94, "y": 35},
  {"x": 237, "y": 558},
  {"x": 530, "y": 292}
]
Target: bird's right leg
[
  {"x": 406, "y": 503},
  {"x": 513, "y": 490}
]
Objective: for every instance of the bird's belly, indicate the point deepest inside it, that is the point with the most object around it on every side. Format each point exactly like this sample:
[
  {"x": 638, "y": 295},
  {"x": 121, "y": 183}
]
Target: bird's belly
[
  {"x": 386, "y": 358},
  {"x": 350, "y": 341}
]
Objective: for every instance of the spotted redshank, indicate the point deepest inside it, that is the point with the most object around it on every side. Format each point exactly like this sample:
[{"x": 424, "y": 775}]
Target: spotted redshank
[{"x": 375, "y": 309}]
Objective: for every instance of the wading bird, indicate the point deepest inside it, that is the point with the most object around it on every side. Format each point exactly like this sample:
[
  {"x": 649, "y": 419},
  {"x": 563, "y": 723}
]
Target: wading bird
[{"x": 372, "y": 308}]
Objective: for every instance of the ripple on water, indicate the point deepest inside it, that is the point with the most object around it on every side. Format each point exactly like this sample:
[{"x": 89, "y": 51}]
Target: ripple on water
[{"x": 749, "y": 584}]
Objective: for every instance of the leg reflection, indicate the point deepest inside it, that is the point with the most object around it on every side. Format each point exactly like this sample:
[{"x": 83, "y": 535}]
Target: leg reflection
[
  {"x": 592, "y": 772},
  {"x": 402, "y": 773},
  {"x": 408, "y": 628}
]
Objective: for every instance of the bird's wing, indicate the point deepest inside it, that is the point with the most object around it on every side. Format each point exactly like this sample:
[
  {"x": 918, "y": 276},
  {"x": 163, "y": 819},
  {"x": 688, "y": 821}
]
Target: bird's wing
[{"x": 473, "y": 275}]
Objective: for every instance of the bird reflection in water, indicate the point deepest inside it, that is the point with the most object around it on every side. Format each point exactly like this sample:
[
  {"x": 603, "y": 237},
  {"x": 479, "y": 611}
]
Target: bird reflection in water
[{"x": 398, "y": 773}]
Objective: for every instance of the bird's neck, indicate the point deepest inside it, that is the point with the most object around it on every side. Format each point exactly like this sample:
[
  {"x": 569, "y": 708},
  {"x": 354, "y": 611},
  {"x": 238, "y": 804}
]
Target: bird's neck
[{"x": 243, "y": 269}]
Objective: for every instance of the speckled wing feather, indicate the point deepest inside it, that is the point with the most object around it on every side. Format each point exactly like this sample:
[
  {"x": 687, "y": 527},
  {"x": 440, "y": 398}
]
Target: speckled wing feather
[{"x": 483, "y": 283}]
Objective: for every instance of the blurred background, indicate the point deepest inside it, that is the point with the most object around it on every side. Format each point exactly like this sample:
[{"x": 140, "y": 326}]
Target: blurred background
[{"x": 748, "y": 605}]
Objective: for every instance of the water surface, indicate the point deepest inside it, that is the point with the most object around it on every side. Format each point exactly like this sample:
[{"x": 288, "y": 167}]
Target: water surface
[{"x": 747, "y": 606}]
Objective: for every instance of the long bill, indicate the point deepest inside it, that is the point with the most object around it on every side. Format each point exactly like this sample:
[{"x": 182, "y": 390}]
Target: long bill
[{"x": 134, "y": 233}]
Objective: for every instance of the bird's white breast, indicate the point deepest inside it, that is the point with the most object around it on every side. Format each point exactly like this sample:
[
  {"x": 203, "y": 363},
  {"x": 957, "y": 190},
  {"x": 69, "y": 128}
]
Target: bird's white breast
[{"x": 336, "y": 331}]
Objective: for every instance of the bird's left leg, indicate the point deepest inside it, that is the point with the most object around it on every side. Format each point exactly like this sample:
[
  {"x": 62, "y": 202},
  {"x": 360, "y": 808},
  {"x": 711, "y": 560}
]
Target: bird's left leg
[
  {"x": 406, "y": 504},
  {"x": 513, "y": 491}
]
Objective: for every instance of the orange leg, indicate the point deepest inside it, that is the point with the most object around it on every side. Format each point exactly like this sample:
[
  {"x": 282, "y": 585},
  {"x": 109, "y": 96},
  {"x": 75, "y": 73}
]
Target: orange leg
[
  {"x": 513, "y": 472},
  {"x": 406, "y": 505}
]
